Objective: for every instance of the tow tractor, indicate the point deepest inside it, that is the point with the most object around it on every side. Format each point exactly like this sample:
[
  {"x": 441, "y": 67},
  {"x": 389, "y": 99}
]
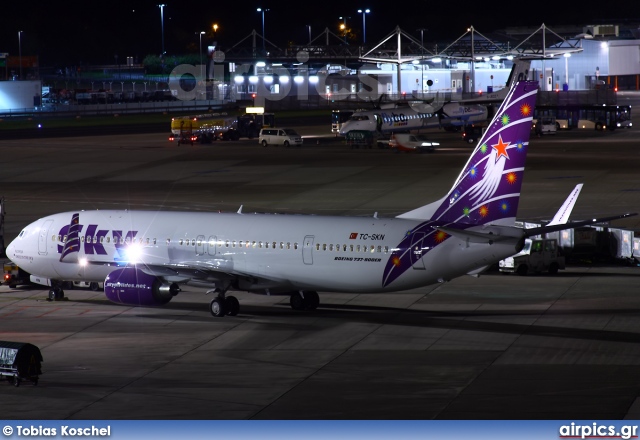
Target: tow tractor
[{"x": 537, "y": 255}]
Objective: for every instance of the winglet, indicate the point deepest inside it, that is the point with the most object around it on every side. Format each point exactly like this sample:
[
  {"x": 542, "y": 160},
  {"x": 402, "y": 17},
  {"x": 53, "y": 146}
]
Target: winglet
[{"x": 562, "y": 216}]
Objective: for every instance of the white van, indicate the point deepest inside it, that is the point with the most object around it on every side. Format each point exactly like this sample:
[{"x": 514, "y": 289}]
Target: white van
[
  {"x": 279, "y": 136},
  {"x": 546, "y": 125}
]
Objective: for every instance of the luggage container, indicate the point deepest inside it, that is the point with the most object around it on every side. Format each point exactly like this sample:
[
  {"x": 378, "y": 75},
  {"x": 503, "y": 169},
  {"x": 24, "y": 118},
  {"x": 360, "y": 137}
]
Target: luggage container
[
  {"x": 621, "y": 243},
  {"x": 20, "y": 361}
]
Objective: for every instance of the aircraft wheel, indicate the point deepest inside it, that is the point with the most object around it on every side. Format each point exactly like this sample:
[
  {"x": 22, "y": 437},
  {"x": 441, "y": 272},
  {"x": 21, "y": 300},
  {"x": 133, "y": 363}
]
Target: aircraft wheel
[
  {"x": 232, "y": 305},
  {"x": 217, "y": 308},
  {"x": 296, "y": 301},
  {"x": 311, "y": 300}
]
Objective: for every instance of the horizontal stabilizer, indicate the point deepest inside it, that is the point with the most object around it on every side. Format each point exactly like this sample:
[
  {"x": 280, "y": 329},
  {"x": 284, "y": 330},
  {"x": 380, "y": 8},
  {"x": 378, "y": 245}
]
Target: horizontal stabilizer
[
  {"x": 545, "y": 229},
  {"x": 490, "y": 235}
]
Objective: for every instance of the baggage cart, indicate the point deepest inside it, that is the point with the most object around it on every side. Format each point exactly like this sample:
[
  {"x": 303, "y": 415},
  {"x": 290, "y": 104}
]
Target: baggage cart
[{"x": 20, "y": 361}]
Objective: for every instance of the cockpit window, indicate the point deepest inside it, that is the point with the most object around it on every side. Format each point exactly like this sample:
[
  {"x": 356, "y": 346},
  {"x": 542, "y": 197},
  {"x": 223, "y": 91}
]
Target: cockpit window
[{"x": 359, "y": 118}]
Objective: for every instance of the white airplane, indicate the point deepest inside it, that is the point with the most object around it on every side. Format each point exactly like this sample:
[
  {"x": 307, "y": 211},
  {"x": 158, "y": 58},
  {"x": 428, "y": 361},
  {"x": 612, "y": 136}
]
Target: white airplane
[
  {"x": 414, "y": 118},
  {"x": 144, "y": 256},
  {"x": 429, "y": 115}
]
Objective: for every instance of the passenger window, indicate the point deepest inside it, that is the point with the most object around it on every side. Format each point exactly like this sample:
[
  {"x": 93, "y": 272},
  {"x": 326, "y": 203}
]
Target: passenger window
[
  {"x": 260, "y": 244},
  {"x": 373, "y": 249},
  {"x": 266, "y": 244},
  {"x": 234, "y": 243},
  {"x": 288, "y": 245},
  {"x": 154, "y": 241},
  {"x": 253, "y": 244},
  {"x": 344, "y": 248},
  {"x": 324, "y": 246},
  {"x": 295, "y": 245},
  {"x": 273, "y": 245},
  {"x": 53, "y": 238},
  {"x": 281, "y": 245},
  {"x": 386, "y": 249},
  {"x": 337, "y": 248},
  {"x": 350, "y": 248},
  {"x": 379, "y": 249},
  {"x": 82, "y": 239},
  {"x": 358, "y": 248},
  {"x": 317, "y": 246},
  {"x": 180, "y": 242},
  {"x": 168, "y": 241},
  {"x": 240, "y": 243},
  {"x": 227, "y": 243},
  {"x": 331, "y": 247},
  {"x": 109, "y": 240}
]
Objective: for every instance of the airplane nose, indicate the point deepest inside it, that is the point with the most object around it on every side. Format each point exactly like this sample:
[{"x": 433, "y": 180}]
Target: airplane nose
[{"x": 9, "y": 250}]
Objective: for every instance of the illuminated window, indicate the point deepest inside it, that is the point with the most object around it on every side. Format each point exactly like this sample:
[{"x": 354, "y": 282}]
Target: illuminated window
[
  {"x": 358, "y": 248},
  {"x": 253, "y": 244},
  {"x": 386, "y": 249},
  {"x": 180, "y": 242},
  {"x": 102, "y": 239},
  {"x": 373, "y": 249},
  {"x": 227, "y": 243},
  {"x": 53, "y": 238}
]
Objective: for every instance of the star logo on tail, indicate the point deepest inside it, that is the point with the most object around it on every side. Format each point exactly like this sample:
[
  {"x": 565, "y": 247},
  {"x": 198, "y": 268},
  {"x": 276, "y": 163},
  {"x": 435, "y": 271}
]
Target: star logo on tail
[{"x": 501, "y": 148}]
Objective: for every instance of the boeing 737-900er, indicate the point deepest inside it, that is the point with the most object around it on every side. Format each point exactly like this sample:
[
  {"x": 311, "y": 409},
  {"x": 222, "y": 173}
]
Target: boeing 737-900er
[{"x": 143, "y": 257}]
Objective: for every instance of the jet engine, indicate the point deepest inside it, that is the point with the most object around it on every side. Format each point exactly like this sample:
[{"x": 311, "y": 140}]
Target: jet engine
[{"x": 133, "y": 287}]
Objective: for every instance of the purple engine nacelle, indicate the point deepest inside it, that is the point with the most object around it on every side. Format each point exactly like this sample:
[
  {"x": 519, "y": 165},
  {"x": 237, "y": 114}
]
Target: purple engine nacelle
[{"x": 133, "y": 287}]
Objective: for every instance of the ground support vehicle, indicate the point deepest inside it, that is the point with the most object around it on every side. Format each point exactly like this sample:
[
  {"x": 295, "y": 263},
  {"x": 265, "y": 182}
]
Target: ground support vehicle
[
  {"x": 14, "y": 276},
  {"x": 20, "y": 361},
  {"x": 407, "y": 142},
  {"x": 360, "y": 138},
  {"x": 538, "y": 255}
]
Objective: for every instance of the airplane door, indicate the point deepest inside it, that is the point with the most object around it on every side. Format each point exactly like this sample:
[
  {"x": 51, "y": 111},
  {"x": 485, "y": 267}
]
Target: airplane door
[
  {"x": 211, "y": 245},
  {"x": 42, "y": 239},
  {"x": 416, "y": 250},
  {"x": 200, "y": 245},
  {"x": 307, "y": 249}
]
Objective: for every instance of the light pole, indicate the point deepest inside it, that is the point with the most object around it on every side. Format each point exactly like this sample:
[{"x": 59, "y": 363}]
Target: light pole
[
  {"x": 343, "y": 27},
  {"x": 309, "y": 26},
  {"x": 263, "y": 37},
  {"x": 20, "y": 51},
  {"x": 422, "y": 58},
  {"x": 201, "y": 33},
  {"x": 161, "y": 6},
  {"x": 364, "y": 13}
]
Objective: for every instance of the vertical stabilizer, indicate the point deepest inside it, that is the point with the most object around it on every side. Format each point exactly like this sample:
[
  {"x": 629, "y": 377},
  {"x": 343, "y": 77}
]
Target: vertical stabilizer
[{"x": 488, "y": 187}]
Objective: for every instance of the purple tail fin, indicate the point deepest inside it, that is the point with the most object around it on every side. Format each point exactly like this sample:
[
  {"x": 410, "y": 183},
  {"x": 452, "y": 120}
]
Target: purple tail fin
[{"x": 488, "y": 188}]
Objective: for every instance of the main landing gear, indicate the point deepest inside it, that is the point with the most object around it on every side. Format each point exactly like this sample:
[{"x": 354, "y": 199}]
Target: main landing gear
[
  {"x": 224, "y": 305},
  {"x": 56, "y": 293},
  {"x": 304, "y": 300}
]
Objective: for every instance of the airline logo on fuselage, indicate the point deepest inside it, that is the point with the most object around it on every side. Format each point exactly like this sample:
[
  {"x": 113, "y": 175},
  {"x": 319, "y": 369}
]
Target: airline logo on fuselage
[{"x": 94, "y": 239}]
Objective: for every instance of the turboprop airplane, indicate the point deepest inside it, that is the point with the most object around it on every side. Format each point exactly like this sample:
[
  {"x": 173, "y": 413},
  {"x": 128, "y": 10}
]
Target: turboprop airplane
[
  {"x": 144, "y": 256},
  {"x": 393, "y": 119}
]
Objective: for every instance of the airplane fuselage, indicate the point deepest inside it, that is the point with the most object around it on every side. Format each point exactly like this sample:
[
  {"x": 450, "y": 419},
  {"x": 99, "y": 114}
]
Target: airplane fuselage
[{"x": 268, "y": 253}]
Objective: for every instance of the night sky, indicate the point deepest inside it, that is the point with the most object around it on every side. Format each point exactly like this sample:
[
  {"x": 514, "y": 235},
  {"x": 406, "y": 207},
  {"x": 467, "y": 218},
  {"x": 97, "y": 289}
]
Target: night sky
[{"x": 72, "y": 33}]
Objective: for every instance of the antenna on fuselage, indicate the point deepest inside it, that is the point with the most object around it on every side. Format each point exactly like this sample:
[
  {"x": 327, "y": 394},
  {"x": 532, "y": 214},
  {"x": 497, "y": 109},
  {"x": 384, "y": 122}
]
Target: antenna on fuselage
[{"x": 240, "y": 210}]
